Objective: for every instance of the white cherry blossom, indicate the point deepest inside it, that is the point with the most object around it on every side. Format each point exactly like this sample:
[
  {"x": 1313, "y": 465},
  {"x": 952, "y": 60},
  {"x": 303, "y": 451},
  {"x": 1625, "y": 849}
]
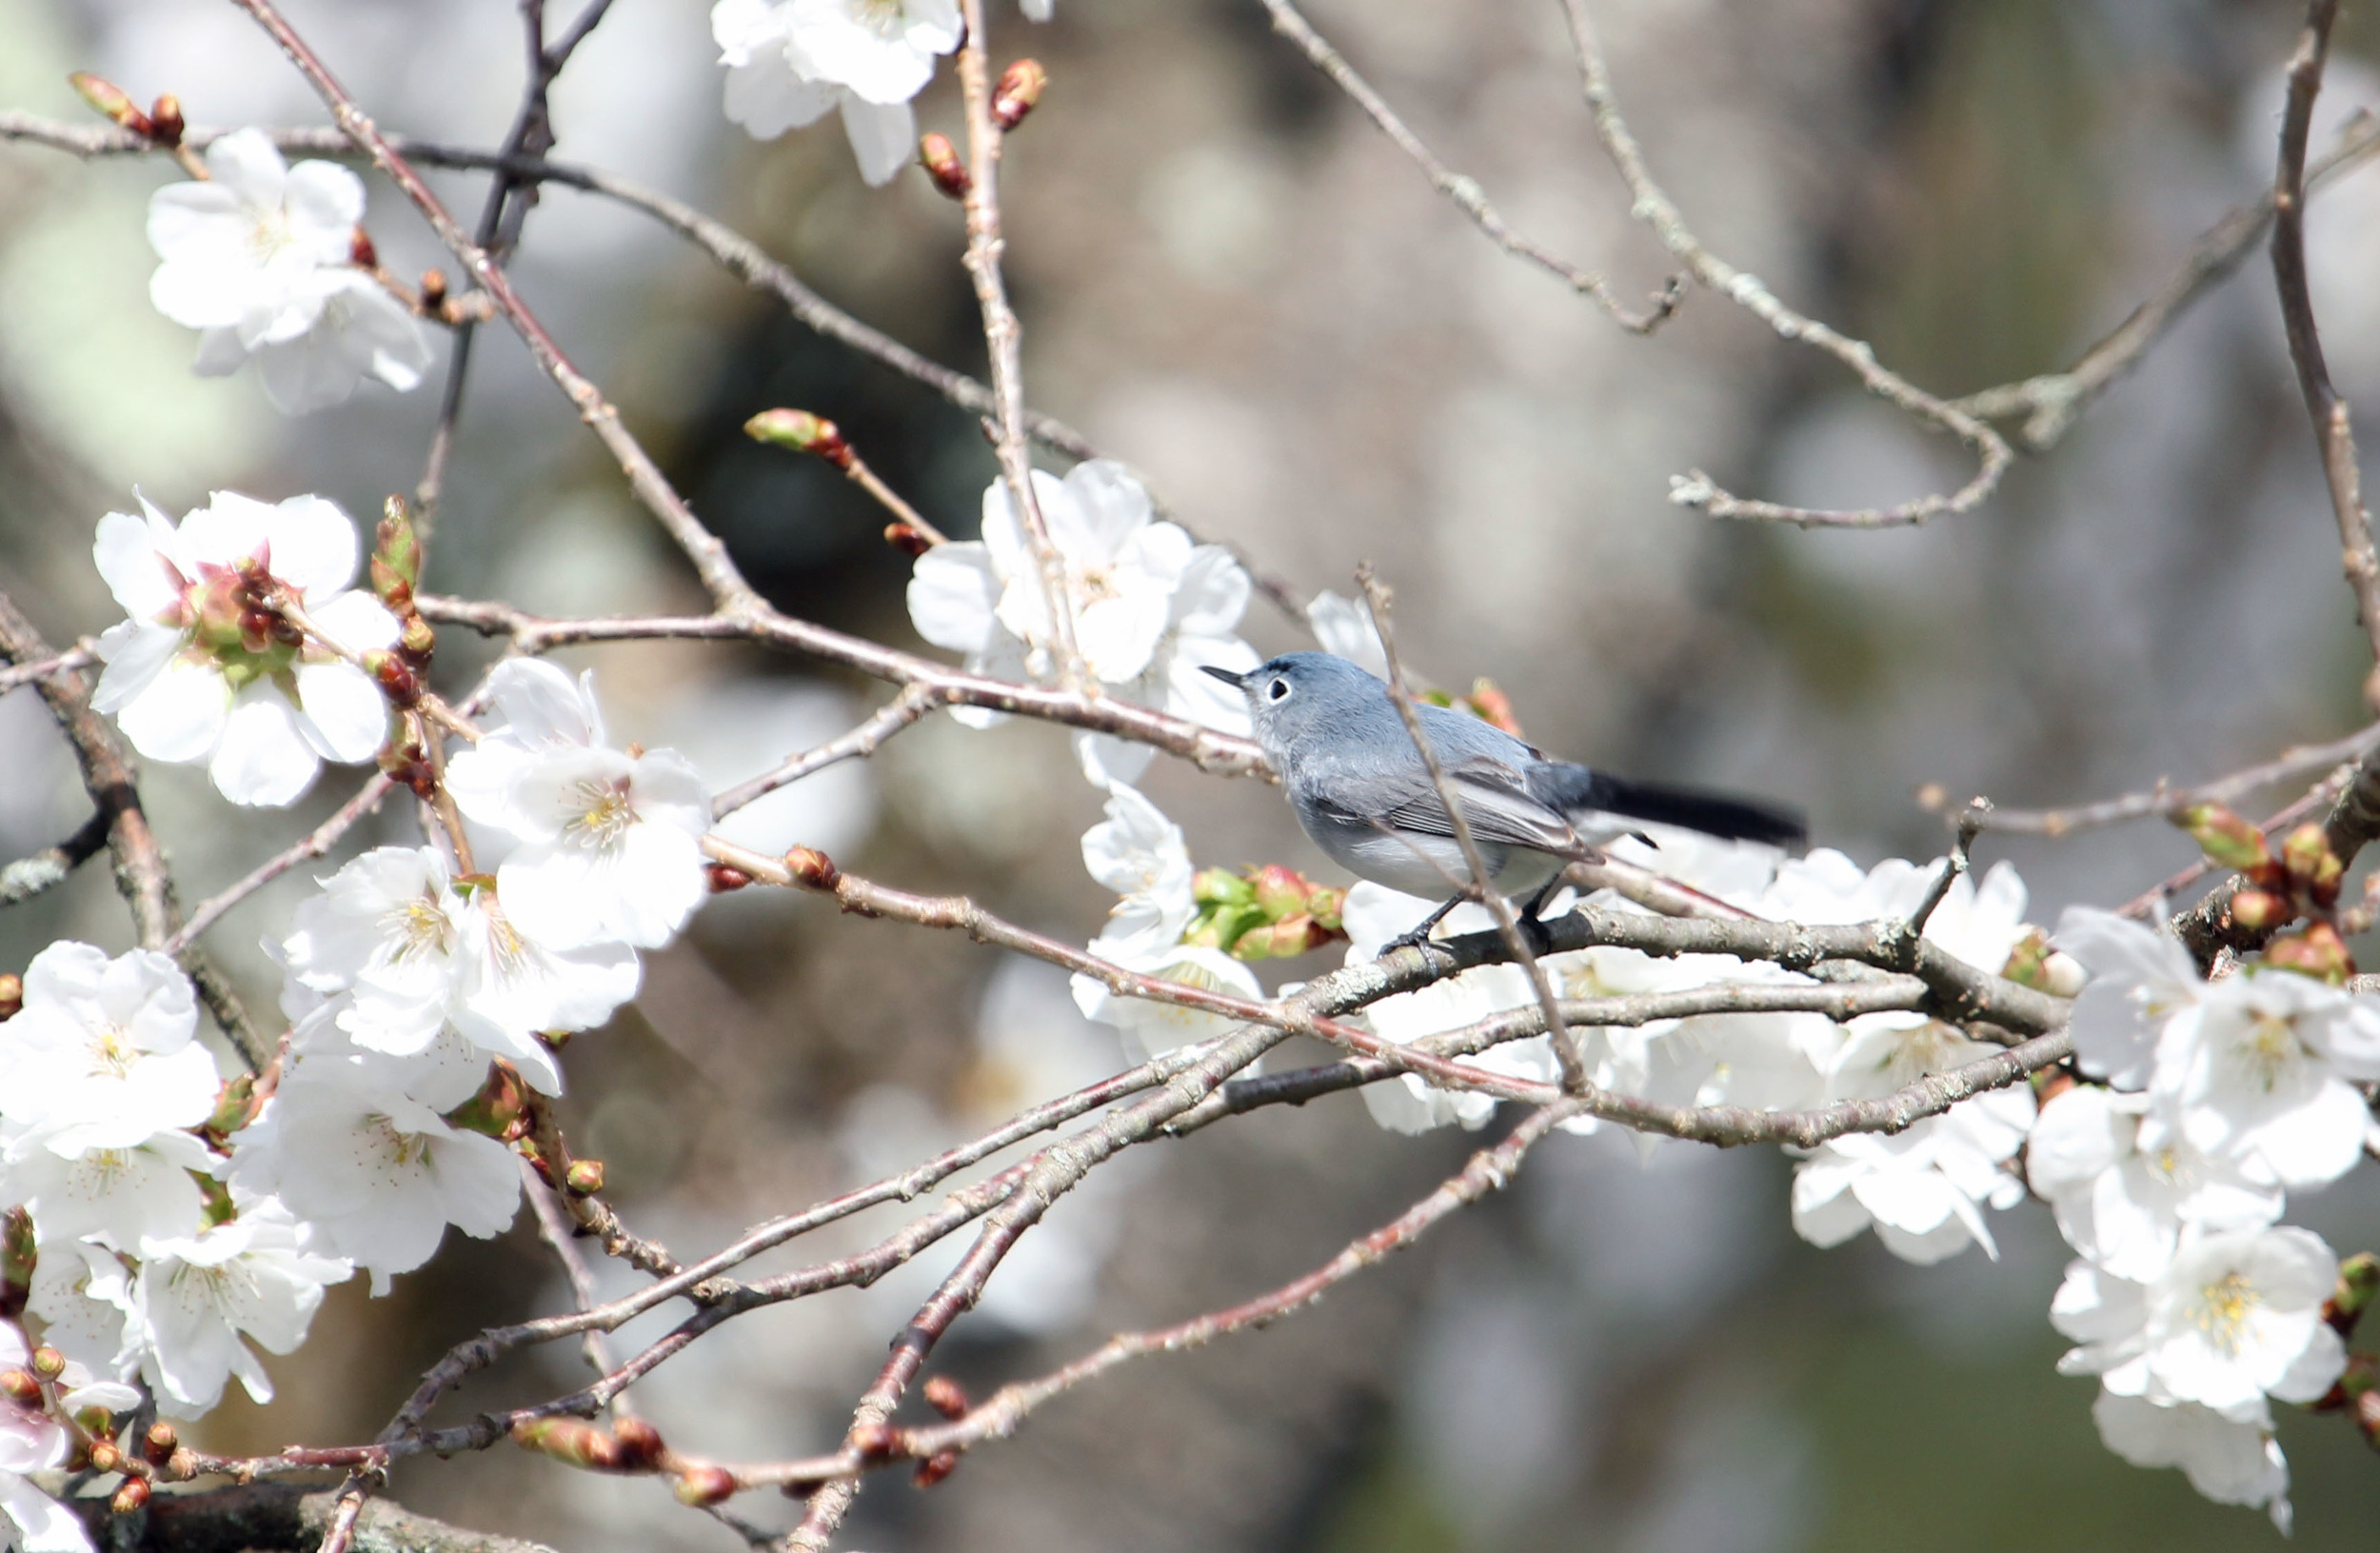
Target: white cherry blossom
[
  {"x": 1345, "y": 626},
  {"x": 200, "y": 1297},
  {"x": 2235, "y": 1316},
  {"x": 2125, "y": 1180},
  {"x": 200, "y": 673},
  {"x": 1150, "y": 606},
  {"x": 2140, "y": 977},
  {"x": 1154, "y": 1028},
  {"x": 122, "y": 1194},
  {"x": 2266, "y": 1063},
  {"x": 790, "y": 61},
  {"x": 407, "y": 954},
  {"x": 611, "y": 840},
  {"x": 102, "y": 1055},
  {"x": 2231, "y": 1461},
  {"x": 258, "y": 258},
  {"x": 83, "y": 1293},
  {"x": 376, "y": 1176},
  {"x": 1139, "y": 854},
  {"x": 1924, "y": 1190}
]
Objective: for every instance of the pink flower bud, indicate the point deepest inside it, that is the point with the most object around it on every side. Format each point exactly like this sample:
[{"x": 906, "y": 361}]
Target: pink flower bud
[
  {"x": 802, "y": 432},
  {"x": 906, "y": 539},
  {"x": 11, "y": 994},
  {"x": 19, "y": 1386},
  {"x": 48, "y": 1363},
  {"x": 131, "y": 1497},
  {"x": 164, "y": 120},
  {"x": 703, "y": 1484},
  {"x": 946, "y": 1396},
  {"x": 159, "y": 1442},
  {"x": 935, "y": 1469},
  {"x": 584, "y": 1178},
  {"x": 1017, "y": 90},
  {"x": 812, "y": 868},
  {"x": 1280, "y": 891},
  {"x": 940, "y": 160},
  {"x": 112, "y": 102},
  {"x": 641, "y": 1448}
]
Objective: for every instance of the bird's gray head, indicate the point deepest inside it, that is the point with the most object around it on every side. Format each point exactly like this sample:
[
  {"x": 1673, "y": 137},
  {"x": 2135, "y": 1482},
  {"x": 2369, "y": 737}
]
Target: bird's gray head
[{"x": 1299, "y": 691}]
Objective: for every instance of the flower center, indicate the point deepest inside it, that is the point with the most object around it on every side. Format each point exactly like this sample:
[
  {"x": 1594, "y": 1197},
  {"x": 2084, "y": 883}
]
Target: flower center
[
  {"x": 406, "y": 1149},
  {"x": 112, "y": 1052},
  {"x": 2223, "y": 1310},
  {"x": 603, "y": 814},
  {"x": 2271, "y": 1049},
  {"x": 885, "y": 18},
  {"x": 418, "y": 929}
]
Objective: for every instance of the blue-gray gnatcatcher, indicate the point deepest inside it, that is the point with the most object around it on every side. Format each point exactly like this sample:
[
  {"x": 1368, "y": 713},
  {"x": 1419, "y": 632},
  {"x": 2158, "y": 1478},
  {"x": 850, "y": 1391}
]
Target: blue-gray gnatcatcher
[{"x": 1362, "y": 791}]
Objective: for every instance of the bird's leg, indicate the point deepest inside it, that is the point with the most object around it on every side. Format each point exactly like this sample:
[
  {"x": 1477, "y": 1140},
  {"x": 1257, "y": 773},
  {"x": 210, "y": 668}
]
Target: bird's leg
[
  {"x": 1421, "y": 935},
  {"x": 1536, "y": 902}
]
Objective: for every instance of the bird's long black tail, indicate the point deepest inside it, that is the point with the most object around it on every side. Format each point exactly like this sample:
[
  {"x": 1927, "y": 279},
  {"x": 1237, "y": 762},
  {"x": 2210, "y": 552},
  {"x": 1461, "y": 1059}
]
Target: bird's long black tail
[{"x": 1572, "y": 788}]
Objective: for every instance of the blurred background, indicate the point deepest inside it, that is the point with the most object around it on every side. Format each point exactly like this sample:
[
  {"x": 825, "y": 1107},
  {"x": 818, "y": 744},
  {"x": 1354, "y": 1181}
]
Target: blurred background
[{"x": 1229, "y": 279}]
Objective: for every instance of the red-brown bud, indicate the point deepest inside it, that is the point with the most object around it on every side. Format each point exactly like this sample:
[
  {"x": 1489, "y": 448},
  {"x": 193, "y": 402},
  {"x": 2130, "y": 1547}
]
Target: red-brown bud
[
  {"x": 499, "y": 1109},
  {"x": 802, "y": 432},
  {"x": 105, "y": 1457},
  {"x": 940, "y": 160},
  {"x": 876, "y": 1441},
  {"x": 947, "y": 1397},
  {"x": 396, "y": 681},
  {"x": 18, "y": 1386},
  {"x": 164, "y": 120},
  {"x": 570, "y": 1439},
  {"x": 11, "y": 994},
  {"x": 641, "y": 1448},
  {"x": 703, "y": 1484},
  {"x": 131, "y": 1497},
  {"x": 935, "y": 1469},
  {"x": 2258, "y": 909},
  {"x": 2305, "y": 854},
  {"x": 112, "y": 101},
  {"x": 417, "y": 641},
  {"x": 584, "y": 1178},
  {"x": 2228, "y": 840},
  {"x": 906, "y": 539},
  {"x": 812, "y": 868},
  {"x": 2314, "y": 950},
  {"x": 725, "y": 878},
  {"x": 360, "y": 250},
  {"x": 1493, "y": 706},
  {"x": 159, "y": 1442},
  {"x": 1017, "y": 90},
  {"x": 433, "y": 292}
]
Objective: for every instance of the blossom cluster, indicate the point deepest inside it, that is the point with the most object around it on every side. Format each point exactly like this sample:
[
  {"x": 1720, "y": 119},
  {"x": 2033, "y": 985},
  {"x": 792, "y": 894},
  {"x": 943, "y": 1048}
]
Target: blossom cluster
[
  {"x": 268, "y": 263},
  {"x": 791, "y": 62},
  {"x": 166, "y": 1221},
  {"x": 2187, "y": 1298},
  {"x": 2168, "y": 1177}
]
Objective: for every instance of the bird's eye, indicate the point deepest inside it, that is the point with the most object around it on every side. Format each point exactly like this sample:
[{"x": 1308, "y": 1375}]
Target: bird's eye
[{"x": 1279, "y": 691}]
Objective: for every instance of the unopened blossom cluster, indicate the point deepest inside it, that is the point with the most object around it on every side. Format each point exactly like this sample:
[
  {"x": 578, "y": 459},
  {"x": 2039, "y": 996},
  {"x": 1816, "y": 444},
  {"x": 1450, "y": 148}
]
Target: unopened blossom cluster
[
  {"x": 170, "y": 1223},
  {"x": 791, "y": 62}
]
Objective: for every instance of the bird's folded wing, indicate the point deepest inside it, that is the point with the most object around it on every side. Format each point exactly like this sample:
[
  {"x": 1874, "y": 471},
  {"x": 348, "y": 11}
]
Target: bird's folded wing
[{"x": 1494, "y": 800}]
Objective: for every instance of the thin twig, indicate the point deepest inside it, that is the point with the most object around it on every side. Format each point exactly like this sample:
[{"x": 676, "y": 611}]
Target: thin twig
[
  {"x": 1654, "y": 209},
  {"x": 862, "y": 742},
  {"x": 554, "y": 1227},
  {"x": 317, "y": 842},
  {"x": 710, "y": 556},
  {"x": 51, "y": 866},
  {"x": 1460, "y": 188},
  {"x": 1482, "y": 884},
  {"x": 2055, "y": 402},
  {"x": 82, "y": 655},
  {"x": 1002, "y": 337},
  {"x": 2163, "y": 802},
  {"x": 2335, "y": 431}
]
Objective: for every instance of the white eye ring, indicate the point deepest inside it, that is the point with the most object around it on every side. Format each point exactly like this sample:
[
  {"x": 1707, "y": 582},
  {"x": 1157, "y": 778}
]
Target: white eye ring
[{"x": 1279, "y": 691}]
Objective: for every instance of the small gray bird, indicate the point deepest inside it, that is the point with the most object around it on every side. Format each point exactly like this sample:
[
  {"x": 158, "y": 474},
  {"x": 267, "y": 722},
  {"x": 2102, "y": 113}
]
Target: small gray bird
[{"x": 1362, "y": 791}]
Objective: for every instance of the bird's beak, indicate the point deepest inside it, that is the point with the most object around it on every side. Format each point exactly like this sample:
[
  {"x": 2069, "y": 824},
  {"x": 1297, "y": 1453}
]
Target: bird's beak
[{"x": 1237, "y": 681}]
